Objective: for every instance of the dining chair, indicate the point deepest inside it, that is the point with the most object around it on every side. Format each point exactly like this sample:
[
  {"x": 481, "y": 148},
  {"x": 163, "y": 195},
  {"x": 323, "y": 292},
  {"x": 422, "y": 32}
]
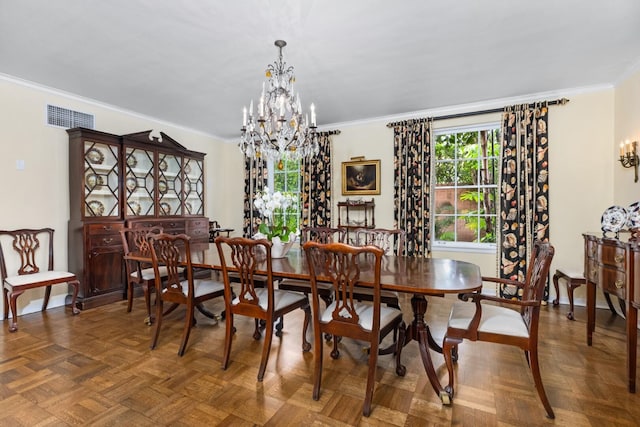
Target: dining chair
[
  {"x": 391, "y": 241},
  {"x": 140, "y": 273},
  {"x": 32, "y": 248},
  {"x": 262, "y": 303},
  {"x": 173, "y": 253},
  {"x": 514, "y": 322},
  {"x": 340, "y": 264},
  {"x": 321, "y": 235}
]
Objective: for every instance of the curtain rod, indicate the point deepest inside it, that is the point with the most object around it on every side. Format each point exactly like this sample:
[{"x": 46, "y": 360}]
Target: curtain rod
[
  {"x": 561, "y": 101},
  {"x": 329, "y": 132}
]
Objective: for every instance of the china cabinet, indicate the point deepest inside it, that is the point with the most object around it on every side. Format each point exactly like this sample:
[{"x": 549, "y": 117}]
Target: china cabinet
[{"x": 126, "y": 181}]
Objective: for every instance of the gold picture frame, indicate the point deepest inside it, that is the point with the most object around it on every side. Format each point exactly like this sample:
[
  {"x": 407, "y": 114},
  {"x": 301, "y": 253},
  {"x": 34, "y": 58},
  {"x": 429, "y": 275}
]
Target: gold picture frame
[{"x": 361, "y": 177}]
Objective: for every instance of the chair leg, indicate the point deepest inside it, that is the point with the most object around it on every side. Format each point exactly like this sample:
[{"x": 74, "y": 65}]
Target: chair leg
[
  {"x": 147, "y": 302},
  {"x": 317, "y": 362},
  {"x": 228, "y": 337},
  {"x": 537, "y": 379},
  {"x": 188, "y": 322},
  {"x": 266, "y": 349},
  {"x": 401, "y": 370},
  {"x": 449, "y": 345},
  {"x": 5, "y": 300},
  {"x": 306, "y": 345},
  {"x": 371, "y": 379},
  {"x": 47, "y": 294},
  {"x": 13, "y": 296},
  {"x": 129, "y": 296},
  {"x": 75, "y": 285},
  {"x": 256, "y": 333},
  {"x": 156, "y": 329}
]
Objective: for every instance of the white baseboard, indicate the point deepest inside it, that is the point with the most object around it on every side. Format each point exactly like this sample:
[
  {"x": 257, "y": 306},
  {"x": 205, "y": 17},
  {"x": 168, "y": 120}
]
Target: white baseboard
[{"x": 35, "y": 305}]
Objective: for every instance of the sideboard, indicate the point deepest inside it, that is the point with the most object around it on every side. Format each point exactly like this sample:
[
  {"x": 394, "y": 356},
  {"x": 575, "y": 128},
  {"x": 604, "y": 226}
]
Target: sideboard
[
  {"x": 613, "y": 265},
  {"x": 118, "y": 181}
]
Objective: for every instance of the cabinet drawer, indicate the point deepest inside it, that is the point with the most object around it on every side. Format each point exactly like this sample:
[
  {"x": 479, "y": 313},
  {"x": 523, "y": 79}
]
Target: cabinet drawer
[
  {"x": 110, "y": 228},
  {"x": 612, "y": 255},
  {"x": 612, "y": 281},
  {"x": 105, "y": 241}
]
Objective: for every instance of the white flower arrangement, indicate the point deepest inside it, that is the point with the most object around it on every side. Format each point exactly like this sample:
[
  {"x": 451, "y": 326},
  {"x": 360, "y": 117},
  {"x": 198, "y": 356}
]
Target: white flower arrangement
[{"x": 272, "y": 206}]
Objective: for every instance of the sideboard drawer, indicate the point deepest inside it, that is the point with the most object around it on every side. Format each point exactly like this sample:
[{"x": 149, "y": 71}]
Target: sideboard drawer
[
  {"x": 612, "y": 255},
  {"x": 612, "y": 281}
]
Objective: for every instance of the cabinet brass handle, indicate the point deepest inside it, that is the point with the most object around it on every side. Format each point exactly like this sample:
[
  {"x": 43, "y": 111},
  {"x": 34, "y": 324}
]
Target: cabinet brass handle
[
  {"x": 173, "y": 224},
  {"x": 106, "y": 227},
  {"x": 619, "y": 284},
  {"x": 619, "y": 258},
  {"x": 107, "y": 240}
]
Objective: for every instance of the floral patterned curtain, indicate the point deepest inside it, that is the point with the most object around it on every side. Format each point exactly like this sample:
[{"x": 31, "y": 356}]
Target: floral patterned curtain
[
  {"x": 316, "y": 185},
  {"x": 255, "y": 179},
  {"x": 412, "y": 179},
  {"x": 524, "y": 191}
]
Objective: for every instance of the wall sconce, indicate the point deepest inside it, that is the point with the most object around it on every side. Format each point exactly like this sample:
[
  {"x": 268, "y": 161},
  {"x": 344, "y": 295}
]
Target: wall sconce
[{"x": 629, "y": 156}]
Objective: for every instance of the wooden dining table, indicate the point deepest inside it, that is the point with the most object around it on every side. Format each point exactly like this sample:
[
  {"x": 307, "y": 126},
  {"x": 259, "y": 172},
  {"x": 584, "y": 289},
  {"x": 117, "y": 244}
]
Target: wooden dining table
[{"x": 420, "y": 277}]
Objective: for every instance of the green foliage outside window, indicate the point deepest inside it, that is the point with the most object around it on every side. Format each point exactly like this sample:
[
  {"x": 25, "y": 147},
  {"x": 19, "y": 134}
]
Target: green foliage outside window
[{"x": 465, "y": 185}]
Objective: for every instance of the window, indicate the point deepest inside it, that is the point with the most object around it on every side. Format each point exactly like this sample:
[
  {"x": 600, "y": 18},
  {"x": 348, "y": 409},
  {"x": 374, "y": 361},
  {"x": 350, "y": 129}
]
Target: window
[
  {"x": 466, "y": 191},
  {"x": 285, "y": 176}
]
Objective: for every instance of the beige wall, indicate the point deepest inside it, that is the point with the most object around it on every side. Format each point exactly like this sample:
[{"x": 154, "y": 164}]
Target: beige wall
[
  {"x": 627, "y": 126},
  {"x": 583, "y": 168}
]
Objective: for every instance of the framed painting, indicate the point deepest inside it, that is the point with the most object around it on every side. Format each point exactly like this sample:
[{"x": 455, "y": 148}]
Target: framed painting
[{"x": 361, "y": 177}]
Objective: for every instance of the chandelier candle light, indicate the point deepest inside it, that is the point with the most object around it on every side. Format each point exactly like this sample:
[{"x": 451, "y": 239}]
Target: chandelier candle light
[
  {"x": 279, "y": 130},
  {"x": 629, "y": 156}
]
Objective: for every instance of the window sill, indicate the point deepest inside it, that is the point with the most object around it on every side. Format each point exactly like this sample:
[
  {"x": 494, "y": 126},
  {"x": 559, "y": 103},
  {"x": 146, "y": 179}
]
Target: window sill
[{"x": 481, "y": 248}]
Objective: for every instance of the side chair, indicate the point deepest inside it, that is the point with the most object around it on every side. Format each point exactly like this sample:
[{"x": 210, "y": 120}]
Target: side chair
[
  {"x": 514, "y": 322},
  {"x": 139, "y": 273},
  {"x": 339, "y": 264},
  {"x": 28, "y": 274},
  {"x": 261, "y": 302},
  {"x": 320, "y": 235},
  {"x": 391, "y": 241},
  {"x": 172, "y": 254}
]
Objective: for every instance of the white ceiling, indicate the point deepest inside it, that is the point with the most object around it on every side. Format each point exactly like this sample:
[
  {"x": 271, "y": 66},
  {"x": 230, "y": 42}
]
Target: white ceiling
[{"x": 196, "y": 63}]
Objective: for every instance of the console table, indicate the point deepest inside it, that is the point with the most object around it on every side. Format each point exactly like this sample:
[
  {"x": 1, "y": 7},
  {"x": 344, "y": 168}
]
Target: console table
[{"x": 613, "y": 265}]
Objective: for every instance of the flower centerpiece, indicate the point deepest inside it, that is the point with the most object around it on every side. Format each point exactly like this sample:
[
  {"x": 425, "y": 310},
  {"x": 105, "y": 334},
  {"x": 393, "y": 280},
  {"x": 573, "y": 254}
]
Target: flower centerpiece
[{"x": 274, "y": 226}]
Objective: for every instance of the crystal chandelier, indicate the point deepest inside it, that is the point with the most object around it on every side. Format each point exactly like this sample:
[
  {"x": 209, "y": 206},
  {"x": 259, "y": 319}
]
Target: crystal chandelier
[{"x": 279, "y": 130}]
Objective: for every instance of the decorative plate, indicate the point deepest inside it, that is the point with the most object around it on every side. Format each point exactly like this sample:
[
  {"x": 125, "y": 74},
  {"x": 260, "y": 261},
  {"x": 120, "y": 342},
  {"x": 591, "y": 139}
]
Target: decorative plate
[
  {"x": 92, "y": 180},
  {"x": 162, "y": 186},
  {"x": 165, "y": 209},
  {"x": 163, "y": 165},
  {"x": 95, "y": 156},
  {"x": 633, "y": 216},
  {"x": 614, "y": 219},
  {"x": 187, "y": 169},
  {"x": 131, "y": 183},
  {"x": 132, "y": 161},
  {"x": 135, "y": 207},
  {"x": 96, "y": 208}
]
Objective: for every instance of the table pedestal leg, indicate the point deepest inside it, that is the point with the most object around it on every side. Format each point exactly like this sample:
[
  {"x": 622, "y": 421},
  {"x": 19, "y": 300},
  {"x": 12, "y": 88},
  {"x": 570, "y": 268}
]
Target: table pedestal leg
[{"x": 418, "y": 330}]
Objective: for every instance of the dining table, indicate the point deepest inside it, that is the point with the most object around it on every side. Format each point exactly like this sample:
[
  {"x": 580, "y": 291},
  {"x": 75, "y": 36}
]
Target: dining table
[{"x": 418, "y": 276}]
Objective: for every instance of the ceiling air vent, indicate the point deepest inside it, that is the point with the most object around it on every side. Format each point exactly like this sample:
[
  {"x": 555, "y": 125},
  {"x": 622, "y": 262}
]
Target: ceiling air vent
[{"x": 63, "y": 117}]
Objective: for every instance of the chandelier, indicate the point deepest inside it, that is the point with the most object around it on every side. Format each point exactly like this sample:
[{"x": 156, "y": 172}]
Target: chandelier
[{"x": 279, "y": 129}]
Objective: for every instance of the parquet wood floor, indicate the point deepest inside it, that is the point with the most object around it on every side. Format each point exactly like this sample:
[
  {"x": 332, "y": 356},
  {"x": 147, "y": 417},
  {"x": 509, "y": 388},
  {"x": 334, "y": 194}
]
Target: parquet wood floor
[{"x": 96, "y": 369}]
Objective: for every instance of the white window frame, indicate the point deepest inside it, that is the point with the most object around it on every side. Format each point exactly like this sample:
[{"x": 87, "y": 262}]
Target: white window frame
[
  {"x": 271, "y": 165},
  {"x": 448, "y": 246}
]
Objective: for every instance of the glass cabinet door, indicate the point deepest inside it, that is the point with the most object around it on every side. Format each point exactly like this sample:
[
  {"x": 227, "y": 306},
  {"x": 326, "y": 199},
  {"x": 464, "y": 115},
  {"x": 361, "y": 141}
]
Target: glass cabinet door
[
  {"x": 169, "y": 184},
  {"x": 193, "y": 187},
  {"x": 139, "y": 182},
  {"x": 101, "y": 191}
]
